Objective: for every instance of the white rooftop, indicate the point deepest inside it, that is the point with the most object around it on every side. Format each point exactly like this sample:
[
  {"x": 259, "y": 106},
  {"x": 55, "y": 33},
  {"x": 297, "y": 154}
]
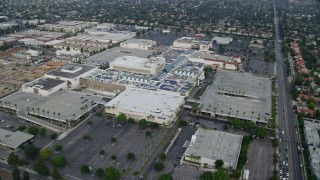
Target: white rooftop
[
  {"x": 13, "y": 139},
  {"x": 143, "y": 42},
  {"x": 147, "y": 101},
  {"x": 214, "y": 145},
  {"x": 136, "y": 62}
]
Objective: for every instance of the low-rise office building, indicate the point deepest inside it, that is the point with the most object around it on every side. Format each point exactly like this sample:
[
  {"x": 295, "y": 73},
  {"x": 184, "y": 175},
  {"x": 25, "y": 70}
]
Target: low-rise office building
[
  {"x": 207, "y": 146},
  {"x": 70, "y": 27},
  {"x": 146, "y": 104},
  {"x": 14, "y": 140}
]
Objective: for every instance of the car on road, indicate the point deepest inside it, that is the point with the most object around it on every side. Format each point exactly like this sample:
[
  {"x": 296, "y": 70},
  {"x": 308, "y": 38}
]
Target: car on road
[
  {"x": 2, "y": 121},
  {"x": 282, "y": 132}
]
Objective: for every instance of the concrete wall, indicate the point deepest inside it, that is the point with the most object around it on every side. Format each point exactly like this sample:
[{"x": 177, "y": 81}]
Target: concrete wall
[{"x": 110, "y": 87}]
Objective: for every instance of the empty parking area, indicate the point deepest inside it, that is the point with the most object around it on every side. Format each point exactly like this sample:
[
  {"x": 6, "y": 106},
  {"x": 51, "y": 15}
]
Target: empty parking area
[
  {"x": 129, "y": 138},
  {"x": 260, "y": 161}
]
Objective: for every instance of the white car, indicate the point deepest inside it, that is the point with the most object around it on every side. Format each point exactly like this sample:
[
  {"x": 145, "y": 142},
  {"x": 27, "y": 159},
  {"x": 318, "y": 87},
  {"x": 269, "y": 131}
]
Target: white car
[{"x": 2, "y": 121}]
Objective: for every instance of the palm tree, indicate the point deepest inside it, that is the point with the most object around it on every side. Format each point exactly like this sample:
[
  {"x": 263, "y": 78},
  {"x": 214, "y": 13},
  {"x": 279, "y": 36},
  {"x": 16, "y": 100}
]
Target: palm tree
[
  {"x": 48, "y": 112},
  {"x": 74, "y": 116},
  {"x": 59, "y": 116},
  {"x": 9, "y": 105},
  {"x": 244, "y": 114},
  {"x": 6, "y": 103},
  {"x": 38, "y": 111},
  {"x": 44, "y": 112},
  {"x": 54, "y": 115},
  {"x": 15, "y": 105},
  {"x": 237, "y": 113},
  {"x": 33, "y": 111},
  {"x": 221, "y": 112}
]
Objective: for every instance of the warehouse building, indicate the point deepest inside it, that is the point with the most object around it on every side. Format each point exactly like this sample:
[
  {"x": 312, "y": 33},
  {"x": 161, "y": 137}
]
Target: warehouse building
[
  {"x": 44, "y": 86},
  {"x": 237, "y": 95},
  {"x": 145, "y": 104},
  {"x": 207, "y": 146}
]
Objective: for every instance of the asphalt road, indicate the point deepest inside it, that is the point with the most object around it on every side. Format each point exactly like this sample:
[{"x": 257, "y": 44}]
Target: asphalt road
[{"x": 287, "y": 121}]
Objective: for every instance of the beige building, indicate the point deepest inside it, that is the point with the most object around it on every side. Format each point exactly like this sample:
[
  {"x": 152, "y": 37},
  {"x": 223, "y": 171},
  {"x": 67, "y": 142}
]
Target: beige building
[
  {"x": 150, "y": 105},
  {"x": 139, "y": 65},
  {"x": 186, "y": 43}
]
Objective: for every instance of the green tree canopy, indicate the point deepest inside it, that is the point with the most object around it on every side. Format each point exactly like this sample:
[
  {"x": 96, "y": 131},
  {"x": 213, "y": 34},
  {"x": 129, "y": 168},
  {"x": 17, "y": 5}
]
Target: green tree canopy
[
  {"x": 237, "y": 124},
  {"x": 221, "y": 175},
  {"x": 41, "y": 168},
  {"x": 13, "y": 159},
  {"x": 59, "y": 161},
  {"x": 58, "y": 148},
  {"x": 46, "y": 154},
  {"x": 163, "y": 157},
  {"x": 33, "y": 130},
  {"x": 122, "y": 118},
  {"x": 206, "y": 176},
  {"x": 131, "y": 156},
  {"x": 219, "y": 163},
  {"x": 56, "y": 175},
  {"x": 158, "y": 166},
  {"x": 26, "y": 176},
  {"x": 85, "y": 169},
  {"x": 143, "y": 123},
  {"x": 31, "y": 151},
  {"x": 261, "y": 132},
  {"x": 182, "y": 123},
  {"x": 16, "y": 173},
  {"x": 99, "y": 172},
  {"x": 248, "y": 125},
  {"x": 42, "y": 132},
  {"x": 112, "y": 174},
  {"x": 166, "y": 177}
]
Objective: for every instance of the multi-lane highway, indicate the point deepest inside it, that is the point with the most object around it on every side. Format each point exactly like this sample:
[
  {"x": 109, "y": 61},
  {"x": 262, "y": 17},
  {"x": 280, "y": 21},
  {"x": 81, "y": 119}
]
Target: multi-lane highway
[{"x": 288, "y": 148}]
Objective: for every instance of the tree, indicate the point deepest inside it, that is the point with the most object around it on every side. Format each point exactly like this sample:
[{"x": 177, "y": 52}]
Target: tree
[
  {"x": 182, "y": 123},
  {"x": 206, "y": 176},
  {"x": 31, "y": 151},
  {"x": 166, "y": 177},
  {"x": 102, "y": 152},
  {"x": 43, "y": 132},
  {"x": 22, "y": 128},
  {"x": 113, "y": 140},
  {"x": 143, "y": 123},
  {"x": 131, "y": 156},
  {"x": 26, "y": 176},
  {"x": 113, "y": 157},
  {"x": 85, "y": 169},
  {"x": 154, "y": 125},
  {"x": 59, "y": 161},
  {"x": 163, "y": 157},
  {"x": 46, "y": 154},
  {"x": 41, "y": 168},
  {"x": 89, "y": 123},
  {"x": 237, "y": 124},
  {"x": 58, "y": 148},
  {"x": 221, "y": 175},
  {"x": 219, "y": 163},
  {"x": 99, "y": 172},
  {"x": 311, "y": 105},
  {"x": 112, "y": 174},
  {"x": 131, "y": 121},
  {"x": 13, "y": 159},
  {"x": 122, "y": 118},
  {"x": 56, "y": 175},
  {"x": 148, "y": 133},
  {"x": 158, "y": 166},
  {"x": 33, "y": 130},
  {"x": 16, "y": 173},
  {"x": 53, "y": 136},
  {"x": 248, "y": 125},
  {"x": 87, "y": 137},
  {"x": 261, "y": 132}
]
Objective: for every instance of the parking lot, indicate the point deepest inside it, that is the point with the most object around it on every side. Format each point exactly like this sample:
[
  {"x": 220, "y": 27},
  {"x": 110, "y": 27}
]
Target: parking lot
[
  {"x": 260, "y": 161},
  {"x": 129, "y": 138},
  {"x": 161, "y": 39}
]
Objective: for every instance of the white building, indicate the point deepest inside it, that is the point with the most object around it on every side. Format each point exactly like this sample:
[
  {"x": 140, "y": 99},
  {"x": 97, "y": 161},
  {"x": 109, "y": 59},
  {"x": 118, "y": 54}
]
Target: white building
[
  {"x": 71, "y": 73},
  {"x": 139, "y": 65},
  {"x": 222, "y": 40},
  {"x": 144, "y": 44},
  {"x": 186, "y": 43},
  {"x": 44, "y": 86},
  {"x": 146, "y": 104},
  {"x": 207, "y": 146},
  {"x": 70, "y": 27}
]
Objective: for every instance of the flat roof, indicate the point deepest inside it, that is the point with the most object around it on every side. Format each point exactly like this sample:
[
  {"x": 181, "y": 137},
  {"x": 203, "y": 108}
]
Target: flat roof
[
  {"x": 238, "y": 94},
  {"x": 13, "y": 139},
  {"x": 143, "y": 42},
  {"x": 215, "y": 145},
  {"x": 65, "y": 102},
  {"x": 147, "y": 101},
  {"x": 136, "y": 62},
  {"x": 313, "y": 141},
  {"x": 71, "y": 70},
  {"x": 44, "y": 83},
  {"x": 110, "y": 55},
  {"x": 209, "y": 55}
]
